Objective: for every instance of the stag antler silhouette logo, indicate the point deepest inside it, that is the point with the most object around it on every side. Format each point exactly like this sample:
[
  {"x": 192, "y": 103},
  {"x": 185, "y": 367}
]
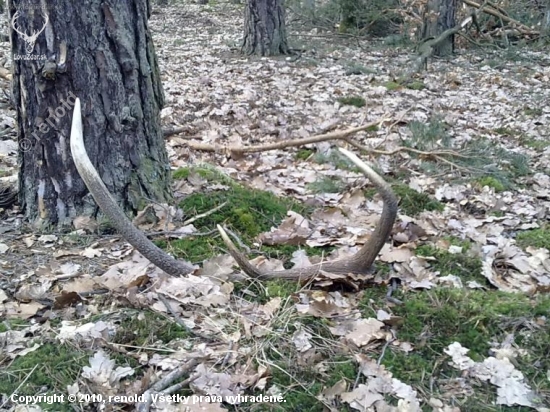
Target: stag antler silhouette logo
[{"x": 30, "y": 39}]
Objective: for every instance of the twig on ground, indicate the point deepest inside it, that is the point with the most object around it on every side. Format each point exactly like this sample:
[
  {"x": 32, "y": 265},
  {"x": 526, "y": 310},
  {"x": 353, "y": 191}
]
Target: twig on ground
[
  {"x": 237, "y": 239},
  {"x": 181, "y": 385},
  {"x": 392, "y": 287},
  {"x": 437, "y": 154},
  {"x": 176, "y": 130},
  {"x": 339, "y": 135},
  {"x": 379, "y": 361},
  {"x": 208, "y": 213},
  {"x": 180, "y": 234},
  {"x": 20, "y": 385},
  {"x": 142, "y": 348},
  {"x": 94, "y": 292},
  {"x": 228, "y": 354},
  {"x": 163, "y": 383}
]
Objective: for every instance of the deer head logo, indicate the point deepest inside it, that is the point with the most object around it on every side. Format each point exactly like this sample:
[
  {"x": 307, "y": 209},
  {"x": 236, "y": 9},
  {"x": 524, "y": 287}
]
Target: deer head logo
[{"x": 30, "y": 39}]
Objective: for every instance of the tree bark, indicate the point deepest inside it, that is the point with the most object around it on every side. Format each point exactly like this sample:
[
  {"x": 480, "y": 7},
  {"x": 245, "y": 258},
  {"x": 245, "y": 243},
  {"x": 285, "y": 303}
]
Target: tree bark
[
  {"x": 102, "y": 52},
  {"x": 264, "y": 28},
  {"x": 439, "y": 16},
  {"x": 546, "y": 20}
]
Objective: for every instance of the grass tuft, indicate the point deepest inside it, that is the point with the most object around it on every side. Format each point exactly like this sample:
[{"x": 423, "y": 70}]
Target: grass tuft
[
  {"x": 412, "y": 202},
  {"x": 53, "y": 367},
  {"x": 491, "y": 181},
  {"x": 475, "y": 318},
  {"x": 327, "y": 184},
  {"x": 465, "y": 267},
  {"x": 536, "y": 238},
  {"x": 356, "y": 101}
]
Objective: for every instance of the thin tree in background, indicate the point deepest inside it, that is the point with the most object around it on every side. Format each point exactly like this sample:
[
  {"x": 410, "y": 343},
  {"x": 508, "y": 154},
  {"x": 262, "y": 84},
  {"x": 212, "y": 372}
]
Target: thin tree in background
[
  {"x": 546, "y": 20},
  {"x": 264, "y": 28},
  {"x": 439, "y": 16}
]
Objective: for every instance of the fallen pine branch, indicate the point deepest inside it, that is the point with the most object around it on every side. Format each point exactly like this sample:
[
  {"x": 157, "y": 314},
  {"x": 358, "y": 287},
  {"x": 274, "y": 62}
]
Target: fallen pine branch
[
  {"x": 239, "y": 150},
  {"x": 343, "y": 135},
  {"x": 422, "y": 153},
  {"x": 437, "y": 155},
  {"x": 522, "y": 28}
]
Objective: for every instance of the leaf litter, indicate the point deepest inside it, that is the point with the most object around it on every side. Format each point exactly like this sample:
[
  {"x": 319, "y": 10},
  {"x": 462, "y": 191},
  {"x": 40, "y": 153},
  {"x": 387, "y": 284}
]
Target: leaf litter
[{"x": 222, "y": 98}]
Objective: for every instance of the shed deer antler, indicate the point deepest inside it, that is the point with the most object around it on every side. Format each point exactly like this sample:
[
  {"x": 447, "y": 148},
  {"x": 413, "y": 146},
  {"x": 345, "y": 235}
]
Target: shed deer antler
[
  {"x": 108, "y": 205},
  {"x": 360, "y": 263}
]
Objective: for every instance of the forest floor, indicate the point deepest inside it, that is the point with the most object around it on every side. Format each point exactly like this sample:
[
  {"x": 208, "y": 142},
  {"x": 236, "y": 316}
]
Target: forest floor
[{"x": 455, "y": 316}]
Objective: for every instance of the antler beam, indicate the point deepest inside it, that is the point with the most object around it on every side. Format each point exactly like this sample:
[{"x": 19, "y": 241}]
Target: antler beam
[
  {"x": 360, "y": 263},
  {"x": 108, "y": 205}
]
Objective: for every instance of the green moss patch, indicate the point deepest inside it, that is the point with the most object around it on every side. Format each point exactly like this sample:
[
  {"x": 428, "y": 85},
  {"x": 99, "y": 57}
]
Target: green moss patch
[
  {"x": 532, "y": 111},
  {"x": 536, "y": 238},
  {"x": 337, "y": 159},
  {"x": 280, "y": 288},
  {"x": 327, "y": 184},
  {"x": 13, "y": 324},
  {"x": 392, "y": 86},
  {"x": 416, "y": 85},
  {"x": 247, "y": 212},
  {"x": 303, "y": 154},
  {"x": 505, "y": 131},
  {"x": 205, "y": 171},
  {"x": 47, "y": 370},
  {"x": 353, "y": 68},
  {"x": 301, "y": 381},
  {"x": 467, "y": 268},
  {"x": 356, "y": 101},
  {"x": 535, "y": 144},
  {"x": 491, "y": 181},
  {"x": 436, "y": 318},
  {"x": 412, "y": 202},
  {"x": 302, "y": 385},
  {"x": 145, "y": 328}
]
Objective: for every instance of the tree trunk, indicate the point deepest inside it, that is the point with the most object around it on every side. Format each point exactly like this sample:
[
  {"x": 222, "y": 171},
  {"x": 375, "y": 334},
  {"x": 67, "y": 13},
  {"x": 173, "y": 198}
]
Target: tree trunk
[
  {"x": 310, "y": 10},
  {"x": 439, "y": 16},
  {"x": 100, "y": 51},
  {"x": 546, "y": 21},
  {"x": 264, "y": 28}
]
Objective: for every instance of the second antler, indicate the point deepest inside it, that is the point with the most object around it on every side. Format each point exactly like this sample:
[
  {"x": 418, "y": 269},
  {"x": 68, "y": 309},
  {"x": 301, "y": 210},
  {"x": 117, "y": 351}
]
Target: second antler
[{"x": 360, "y": 263}]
